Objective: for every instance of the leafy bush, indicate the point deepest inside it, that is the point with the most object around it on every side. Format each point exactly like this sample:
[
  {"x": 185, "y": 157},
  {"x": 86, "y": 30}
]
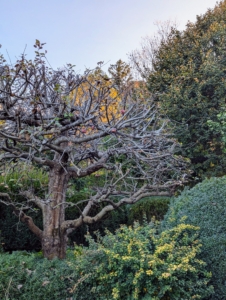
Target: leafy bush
[
  {"x": 25, "y": 276},
  {"x": 137, "y": 263},
  {"x": 148, "y": 207},
  {"x": 205, "y": 206}
]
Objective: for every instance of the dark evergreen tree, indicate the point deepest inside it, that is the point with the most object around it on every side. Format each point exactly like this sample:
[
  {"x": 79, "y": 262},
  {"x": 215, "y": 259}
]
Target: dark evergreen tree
[
  {"x": 121, "y": 74},
  {"x": 188, "y": 80}
]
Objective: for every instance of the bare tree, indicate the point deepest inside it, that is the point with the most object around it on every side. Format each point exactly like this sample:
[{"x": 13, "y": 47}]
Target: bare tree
[
  {"x": 142, "y": 60},
  {"x": 72, "y": 127}
]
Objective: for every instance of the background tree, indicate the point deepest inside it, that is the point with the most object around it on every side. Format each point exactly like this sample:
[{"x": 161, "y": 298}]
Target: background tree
[
  {"x": 121, "y": 74},
  {"x": 98, "y": 76},
  {"x": 44, "y": 125},
  {"x": 142, "y": 60},
  {"x": 219, "y": 128},
  {"x": 187, "y": 79}
]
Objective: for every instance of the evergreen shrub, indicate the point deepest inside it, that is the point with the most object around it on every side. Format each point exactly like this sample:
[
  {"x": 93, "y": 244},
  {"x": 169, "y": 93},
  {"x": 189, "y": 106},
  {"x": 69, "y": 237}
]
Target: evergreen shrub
[{"x": 205, "y": 206}]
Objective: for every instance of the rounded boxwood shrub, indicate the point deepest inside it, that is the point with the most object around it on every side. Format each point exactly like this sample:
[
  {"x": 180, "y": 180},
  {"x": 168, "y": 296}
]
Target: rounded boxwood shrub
[{"x": 205, "y": 206}]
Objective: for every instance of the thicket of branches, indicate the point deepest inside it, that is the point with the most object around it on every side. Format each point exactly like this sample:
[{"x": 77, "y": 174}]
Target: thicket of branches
[{"x": 74, "y": 126}]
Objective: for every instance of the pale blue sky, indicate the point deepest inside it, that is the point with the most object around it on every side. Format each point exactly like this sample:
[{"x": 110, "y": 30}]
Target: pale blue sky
[{"x": 83, "y": 32}]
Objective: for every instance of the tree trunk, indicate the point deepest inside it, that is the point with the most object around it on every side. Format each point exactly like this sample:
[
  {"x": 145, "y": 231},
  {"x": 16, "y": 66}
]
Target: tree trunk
[
  {"x": 54, "y": 239},
  {"x": 54, "y": 245}
]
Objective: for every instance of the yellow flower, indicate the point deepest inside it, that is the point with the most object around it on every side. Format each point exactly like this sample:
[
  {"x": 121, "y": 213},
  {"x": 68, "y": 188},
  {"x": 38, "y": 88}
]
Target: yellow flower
[
  {"x": 166, "y": 275},
  {"x": 149, "y": 272}
]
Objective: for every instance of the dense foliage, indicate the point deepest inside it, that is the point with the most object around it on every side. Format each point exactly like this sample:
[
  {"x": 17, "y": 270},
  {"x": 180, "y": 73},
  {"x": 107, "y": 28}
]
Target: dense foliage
[
  {"x": 25, "y": 276},
  {"x": 148, "y": 208},
  {"x": 205, "y": 206},
  {"x": 135, "y": 263},
  {"x": 219, "y": 127},
  {"x": 188, "y": 80}
]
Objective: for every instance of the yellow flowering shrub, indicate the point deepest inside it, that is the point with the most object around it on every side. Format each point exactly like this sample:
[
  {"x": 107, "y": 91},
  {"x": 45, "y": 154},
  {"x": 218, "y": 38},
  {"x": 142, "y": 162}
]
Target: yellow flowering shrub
[{"x": 138, "y": 263}]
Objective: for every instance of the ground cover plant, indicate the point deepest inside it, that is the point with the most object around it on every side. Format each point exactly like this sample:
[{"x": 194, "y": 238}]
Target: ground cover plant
[{"x": 205, "y": 206}]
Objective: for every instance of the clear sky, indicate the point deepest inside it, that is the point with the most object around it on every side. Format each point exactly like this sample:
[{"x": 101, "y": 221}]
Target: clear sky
[{"x": 83, "y": 32}]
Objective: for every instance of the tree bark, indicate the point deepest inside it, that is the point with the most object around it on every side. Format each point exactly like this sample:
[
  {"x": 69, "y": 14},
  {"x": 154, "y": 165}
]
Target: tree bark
[{"x": 54, "y": 239}]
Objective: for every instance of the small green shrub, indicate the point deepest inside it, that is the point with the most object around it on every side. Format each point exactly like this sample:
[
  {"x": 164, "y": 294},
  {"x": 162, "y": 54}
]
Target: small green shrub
[
  {"x": 148, "y": 207},
  {"x": 137, "y": 263},
  {"x": 205, "y": 206}
]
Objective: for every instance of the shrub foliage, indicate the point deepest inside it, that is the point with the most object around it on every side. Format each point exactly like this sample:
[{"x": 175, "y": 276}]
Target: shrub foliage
[
  {"x": 137, "y": 263},
  {"x": 134, "y": 263},
  {"x": 151, "y": 207},
  {"x": 205, "y": 206},
  {"x": 25, "y": 276}
]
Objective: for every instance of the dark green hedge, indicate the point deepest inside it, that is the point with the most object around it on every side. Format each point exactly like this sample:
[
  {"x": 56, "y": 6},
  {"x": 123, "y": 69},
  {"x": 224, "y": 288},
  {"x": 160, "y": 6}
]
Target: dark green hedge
[{"x": 205, "y": 206}]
